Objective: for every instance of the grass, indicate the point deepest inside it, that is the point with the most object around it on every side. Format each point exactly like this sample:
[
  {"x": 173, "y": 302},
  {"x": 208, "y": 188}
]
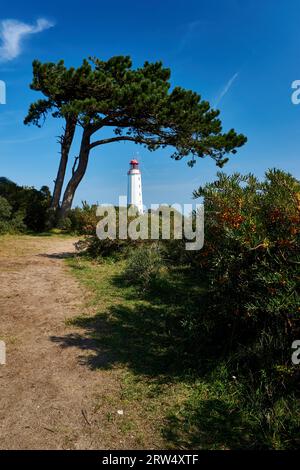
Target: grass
[
  {"x": 132, "y": 341},
  {"x": 169, "y": 402}
]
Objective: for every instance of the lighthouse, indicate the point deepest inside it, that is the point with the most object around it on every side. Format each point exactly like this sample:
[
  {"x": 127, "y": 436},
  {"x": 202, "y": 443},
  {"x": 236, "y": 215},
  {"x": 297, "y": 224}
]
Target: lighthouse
[{"x": 134, "y": 195}]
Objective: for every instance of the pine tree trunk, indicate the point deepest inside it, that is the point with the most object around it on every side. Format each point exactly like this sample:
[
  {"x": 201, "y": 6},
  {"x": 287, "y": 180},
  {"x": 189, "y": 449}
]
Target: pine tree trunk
[
  {"x": 66, "y": 142},
  {"x": 77, "y": 175}
]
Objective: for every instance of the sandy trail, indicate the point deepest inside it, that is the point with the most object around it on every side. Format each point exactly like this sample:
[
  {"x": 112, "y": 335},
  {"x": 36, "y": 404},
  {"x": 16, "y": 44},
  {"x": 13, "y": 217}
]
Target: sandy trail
[{"x": 47, "y": 397}]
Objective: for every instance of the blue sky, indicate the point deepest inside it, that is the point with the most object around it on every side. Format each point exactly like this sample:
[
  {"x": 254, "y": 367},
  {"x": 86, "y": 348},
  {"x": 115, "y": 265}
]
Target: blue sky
[{"x": 240, "y": 55}]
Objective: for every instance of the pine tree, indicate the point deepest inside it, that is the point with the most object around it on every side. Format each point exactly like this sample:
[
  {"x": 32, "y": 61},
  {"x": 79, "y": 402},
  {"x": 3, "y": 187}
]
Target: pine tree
[{"x": 136, "y": 105}]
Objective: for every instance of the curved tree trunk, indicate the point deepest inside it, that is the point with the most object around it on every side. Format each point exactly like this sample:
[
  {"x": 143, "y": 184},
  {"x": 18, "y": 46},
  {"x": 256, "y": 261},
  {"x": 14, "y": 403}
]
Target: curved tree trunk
[
  {"x": 77, "y": 175},
  {"x": 66, "y": 142}
]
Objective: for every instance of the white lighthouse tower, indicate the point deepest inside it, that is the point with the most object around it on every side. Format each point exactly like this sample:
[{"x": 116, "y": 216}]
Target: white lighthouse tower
[{"x": 134, "y": 195}]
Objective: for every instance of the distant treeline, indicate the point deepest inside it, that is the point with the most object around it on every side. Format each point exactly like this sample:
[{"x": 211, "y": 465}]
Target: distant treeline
[{"x": 23, "y": 208}]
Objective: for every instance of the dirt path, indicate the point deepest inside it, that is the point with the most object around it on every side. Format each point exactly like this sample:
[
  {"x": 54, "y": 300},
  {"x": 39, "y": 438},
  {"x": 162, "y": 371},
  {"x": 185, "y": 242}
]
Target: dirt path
[{"x": 47, "y": 398}]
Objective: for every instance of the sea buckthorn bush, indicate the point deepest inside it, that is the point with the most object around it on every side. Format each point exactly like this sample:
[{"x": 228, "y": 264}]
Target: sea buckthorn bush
[{"x": 250, "y": 263}]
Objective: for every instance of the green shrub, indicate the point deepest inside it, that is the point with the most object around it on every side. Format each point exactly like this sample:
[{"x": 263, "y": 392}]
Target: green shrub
[
  {"x": 33, "y": 204},
  {"x": 143, "y": 266},
  {"x": 5, "y": 209},
  {"x": 251, "y": 265},
  {"x": 95, "y": 248},
  {"x": 82, "y": 220},
  {"x": 98, "y": 248},
  {"x": 9, "y": 222},
  {"x": 65, "y": 224},
  {"x": 85, "y": 220}
]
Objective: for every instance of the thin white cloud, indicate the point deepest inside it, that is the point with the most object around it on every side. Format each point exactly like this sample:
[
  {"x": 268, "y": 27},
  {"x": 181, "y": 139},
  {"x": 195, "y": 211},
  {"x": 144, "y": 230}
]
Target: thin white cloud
[
  {"x": 191, "y": 30},
  {"x": 12, "y": 33},
  {"x": 187, "y": 36},
  {"x": 226, "y": 88}
]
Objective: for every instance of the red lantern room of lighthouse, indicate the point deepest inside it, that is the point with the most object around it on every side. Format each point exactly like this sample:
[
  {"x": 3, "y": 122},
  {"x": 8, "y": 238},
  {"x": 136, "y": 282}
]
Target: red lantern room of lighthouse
[{"x": 134, "y": 165}]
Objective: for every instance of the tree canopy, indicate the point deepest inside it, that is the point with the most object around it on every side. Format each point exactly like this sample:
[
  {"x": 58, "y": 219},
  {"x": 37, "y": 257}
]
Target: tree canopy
[{"x": 137, "y": 105}]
